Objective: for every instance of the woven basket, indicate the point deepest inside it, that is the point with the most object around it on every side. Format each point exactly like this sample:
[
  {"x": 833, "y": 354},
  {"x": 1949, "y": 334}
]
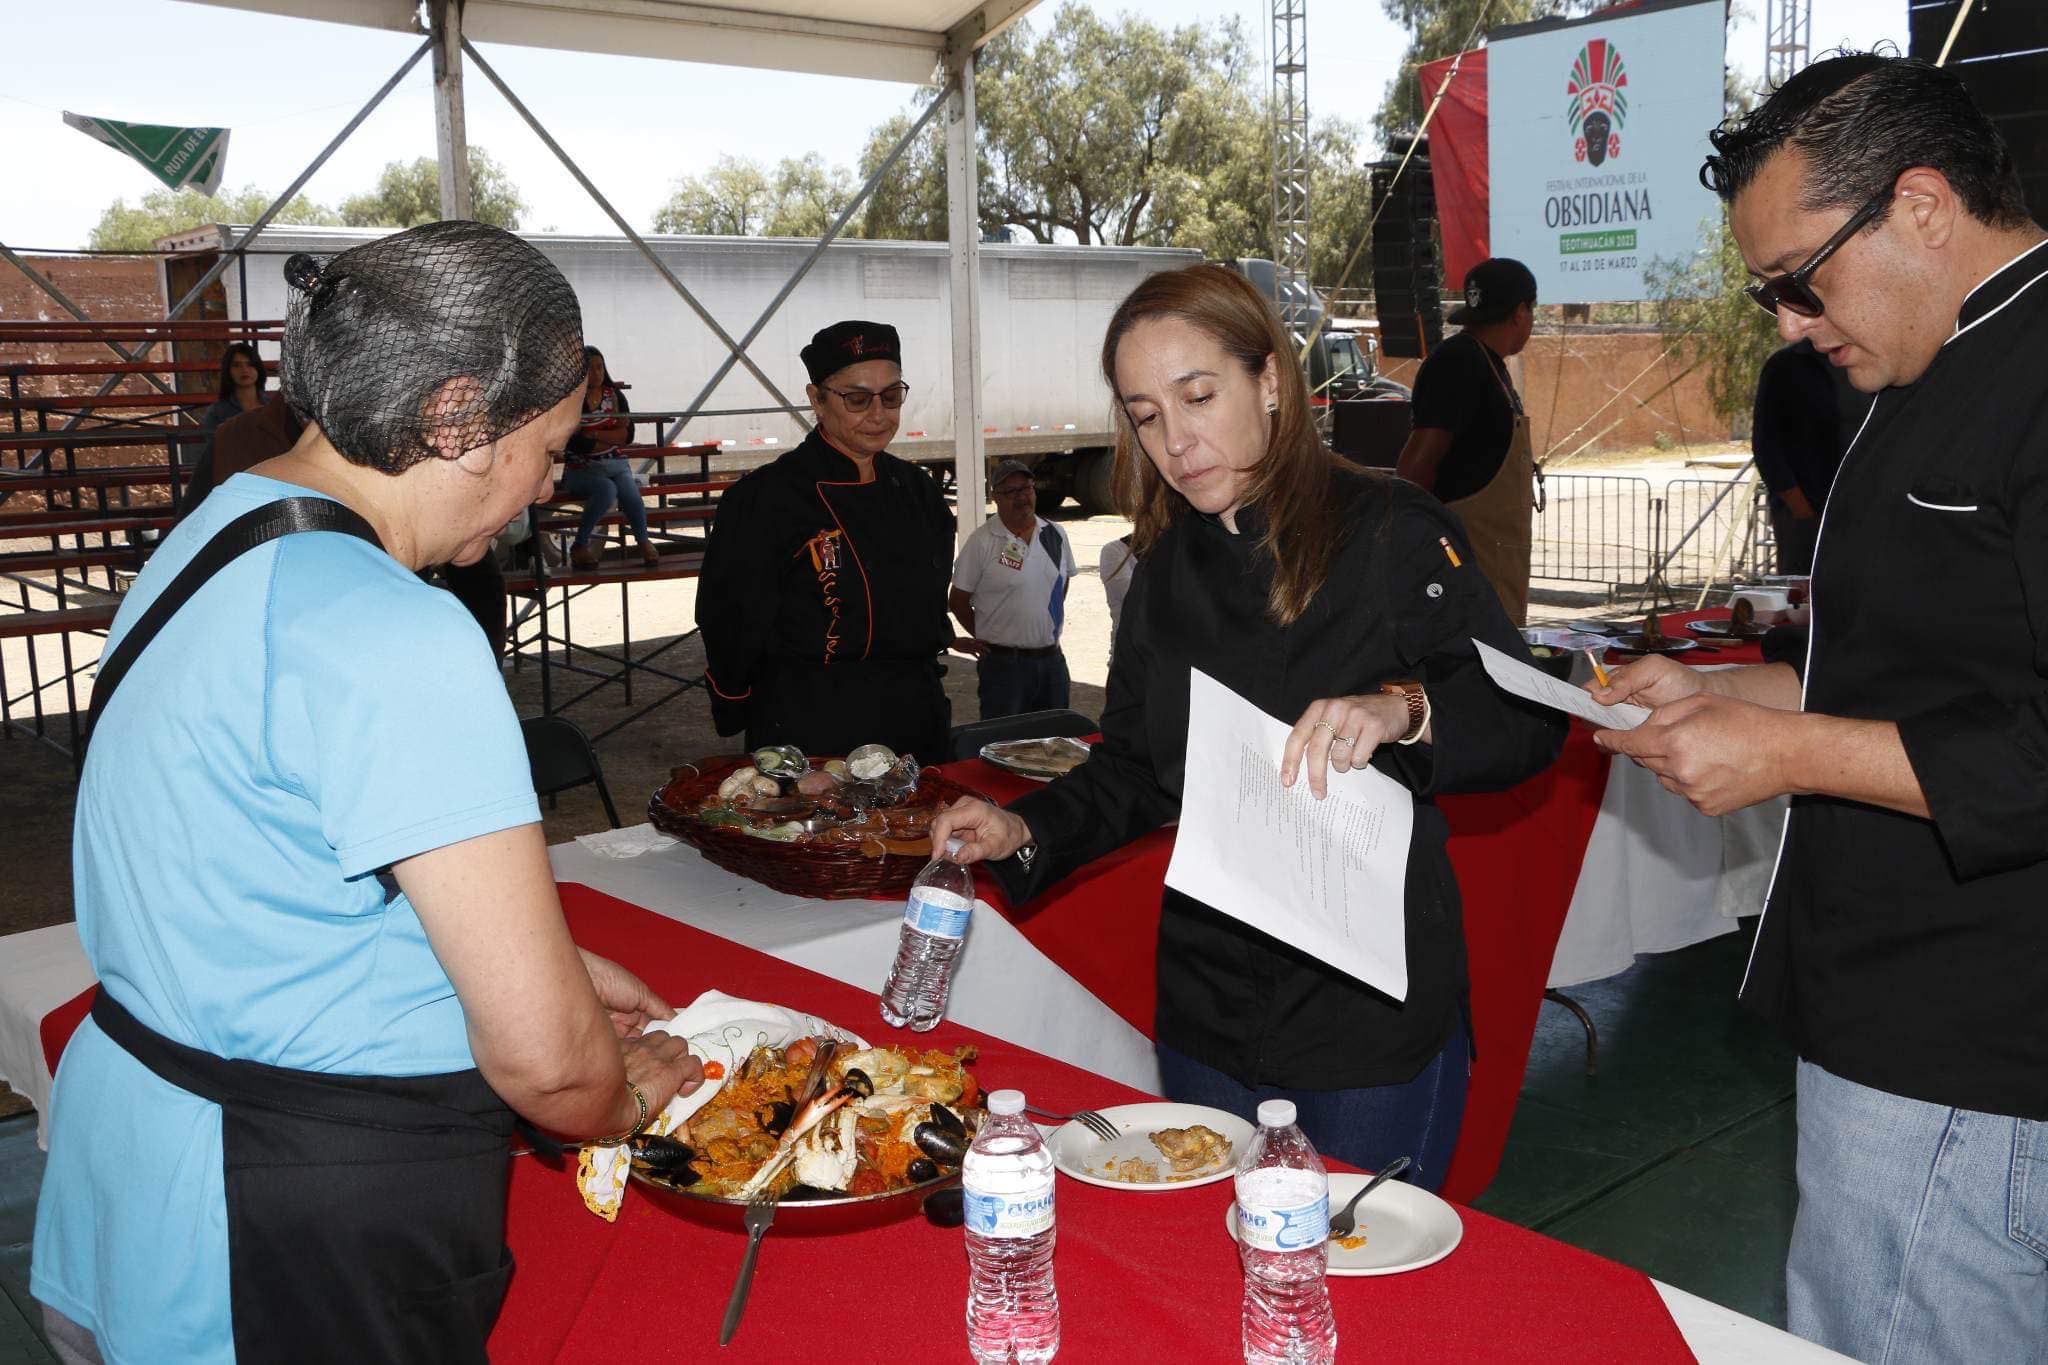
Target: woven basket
[{"x": 823, "y": 873}]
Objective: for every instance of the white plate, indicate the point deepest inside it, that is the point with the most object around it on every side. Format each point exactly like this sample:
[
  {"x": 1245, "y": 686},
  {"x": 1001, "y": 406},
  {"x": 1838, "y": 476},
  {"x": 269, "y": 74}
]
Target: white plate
[
  {"x": 1405, "y": 1228},
  {"x": 1082, "y": 1155}
]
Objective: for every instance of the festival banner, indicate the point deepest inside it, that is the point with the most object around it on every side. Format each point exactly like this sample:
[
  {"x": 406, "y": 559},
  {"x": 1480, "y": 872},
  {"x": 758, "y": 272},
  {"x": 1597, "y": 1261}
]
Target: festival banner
[
  {"x": 1596, "y": 129},
  {"x": 177, "y": 156}
]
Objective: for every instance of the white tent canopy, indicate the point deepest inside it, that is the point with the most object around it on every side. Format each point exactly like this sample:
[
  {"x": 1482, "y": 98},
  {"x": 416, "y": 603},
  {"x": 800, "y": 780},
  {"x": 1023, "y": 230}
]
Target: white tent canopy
[
  {"x": 921, "y": 42},
  {"x": 884, "y": 40}
]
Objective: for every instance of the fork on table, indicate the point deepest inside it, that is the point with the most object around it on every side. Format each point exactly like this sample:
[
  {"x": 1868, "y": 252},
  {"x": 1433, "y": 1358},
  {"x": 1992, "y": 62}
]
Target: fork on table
[{"x": 1087, "y": 1118}]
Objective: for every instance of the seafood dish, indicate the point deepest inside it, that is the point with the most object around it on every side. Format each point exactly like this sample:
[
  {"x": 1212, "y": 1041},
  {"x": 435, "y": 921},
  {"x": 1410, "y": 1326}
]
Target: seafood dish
[
  {"x": 816, "y": 1118},
  {"x": 1195, "y": 1150},
  {"x": 1190, "y": 1152},
  {"x": 870, "y": 800}
]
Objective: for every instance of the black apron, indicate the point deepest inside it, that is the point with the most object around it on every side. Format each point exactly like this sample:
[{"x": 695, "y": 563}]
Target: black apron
[{"x": 366, "y": 1214}]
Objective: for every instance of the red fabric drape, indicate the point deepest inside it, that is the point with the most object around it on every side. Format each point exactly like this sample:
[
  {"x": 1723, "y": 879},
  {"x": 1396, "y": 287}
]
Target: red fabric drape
[{"x": 1457, "y": 161}]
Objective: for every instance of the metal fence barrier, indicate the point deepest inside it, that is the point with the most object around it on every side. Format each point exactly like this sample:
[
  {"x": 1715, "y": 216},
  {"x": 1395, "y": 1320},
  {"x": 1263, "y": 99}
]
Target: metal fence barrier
[{"x": 1616, "y": 530}]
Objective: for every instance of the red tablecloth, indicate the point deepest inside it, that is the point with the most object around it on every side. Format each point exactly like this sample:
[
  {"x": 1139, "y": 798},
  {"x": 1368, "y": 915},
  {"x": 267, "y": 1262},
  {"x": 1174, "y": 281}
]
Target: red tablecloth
[
  {"x": 1516, "y": 855},
  {"x": 1142, "y": 1276}
]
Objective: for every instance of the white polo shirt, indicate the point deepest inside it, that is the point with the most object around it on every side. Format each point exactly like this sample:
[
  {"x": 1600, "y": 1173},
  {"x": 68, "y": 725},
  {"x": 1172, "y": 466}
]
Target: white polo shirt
[{"x": 1013, "y": 582}]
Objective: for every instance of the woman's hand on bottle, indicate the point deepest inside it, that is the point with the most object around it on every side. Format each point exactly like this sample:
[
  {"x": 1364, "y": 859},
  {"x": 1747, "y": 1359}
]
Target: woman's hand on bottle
[
  {"x": 985, "y": 831},
  {"x": 661, "y": 1065},
  {"x": 1339, "y": 734}
]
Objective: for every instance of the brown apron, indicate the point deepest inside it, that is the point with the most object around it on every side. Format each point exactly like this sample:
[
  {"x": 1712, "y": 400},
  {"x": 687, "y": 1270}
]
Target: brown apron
[{"x": 1497, "y": 518}]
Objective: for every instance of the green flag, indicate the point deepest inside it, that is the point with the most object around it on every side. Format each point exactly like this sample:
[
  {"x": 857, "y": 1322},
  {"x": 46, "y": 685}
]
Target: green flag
[{"x": 177, "y": 156}]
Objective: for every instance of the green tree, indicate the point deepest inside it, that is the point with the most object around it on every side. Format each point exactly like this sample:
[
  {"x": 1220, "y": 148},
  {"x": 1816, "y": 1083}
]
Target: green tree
[
  {"x": 806, "y": 196},
  {"x": 408, "y": 193},
  {"x": 732, "y": 199},
  {"x": 164, "y": 213},
  {"x": 1704, "y": 311}
]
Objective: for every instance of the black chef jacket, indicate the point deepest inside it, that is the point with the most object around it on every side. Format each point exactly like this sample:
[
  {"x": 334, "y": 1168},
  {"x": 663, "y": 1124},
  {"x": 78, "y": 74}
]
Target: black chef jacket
[
  {"x": 1393, "y": 608},
  {"x": 823, "y": 605},
  {"x": 1904, "y": 954},
  {"x": 1463, "y": 388}
]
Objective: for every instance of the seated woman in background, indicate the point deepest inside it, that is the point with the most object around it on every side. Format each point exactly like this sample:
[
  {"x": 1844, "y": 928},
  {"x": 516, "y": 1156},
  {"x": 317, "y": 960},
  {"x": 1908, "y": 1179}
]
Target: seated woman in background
[
  {"x": 1340, "y": 600},
  {"x": 310, "y": 872},
  {"x": 596, "y": 474},
  {"x": 242, "y": 379}
]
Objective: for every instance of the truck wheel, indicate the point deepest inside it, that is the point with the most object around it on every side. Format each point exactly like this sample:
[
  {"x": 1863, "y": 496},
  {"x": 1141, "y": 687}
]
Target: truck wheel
[
  {"x": 1093, "y": 484},
  {"x": 1049, "y": 499}
]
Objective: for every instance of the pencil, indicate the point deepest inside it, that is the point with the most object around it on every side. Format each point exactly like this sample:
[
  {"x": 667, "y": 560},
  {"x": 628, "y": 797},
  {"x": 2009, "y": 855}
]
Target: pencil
[
  {"x": 1450, "y": 553},
  {"x": 1598, "y": 671}
]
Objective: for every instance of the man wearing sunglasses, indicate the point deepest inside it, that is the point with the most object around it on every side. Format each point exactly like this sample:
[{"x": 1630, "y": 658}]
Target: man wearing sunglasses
[
  {"x": 823, "y": 596},
  {"x": 1903, "y": 949}
]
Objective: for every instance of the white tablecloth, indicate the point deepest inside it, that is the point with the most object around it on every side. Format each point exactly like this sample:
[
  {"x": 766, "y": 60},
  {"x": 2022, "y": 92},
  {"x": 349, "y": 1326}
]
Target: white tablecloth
[
  {"x": 1002, "y": 985},
  {"x": 39, "y": 970},
  {"x": 1659, "y": 876}
]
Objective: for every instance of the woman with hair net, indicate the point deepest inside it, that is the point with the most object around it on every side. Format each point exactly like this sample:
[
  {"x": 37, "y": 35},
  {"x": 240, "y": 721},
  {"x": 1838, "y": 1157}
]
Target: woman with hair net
[{"x": 332, "y": 963}]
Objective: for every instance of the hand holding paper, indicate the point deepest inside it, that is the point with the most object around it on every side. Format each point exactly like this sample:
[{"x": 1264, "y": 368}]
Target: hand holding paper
[
  {"x": 1512, "y": 675},
  {"x": 1328, "y": 876}
]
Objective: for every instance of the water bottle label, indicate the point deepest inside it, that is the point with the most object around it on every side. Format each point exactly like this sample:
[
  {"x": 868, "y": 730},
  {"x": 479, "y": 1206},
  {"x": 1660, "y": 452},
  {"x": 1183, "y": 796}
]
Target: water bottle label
[
  {"x": 939, "y": 916},
  {"x": 1292, "y": 1229},
  {"x": 1010, "y": 1215}
]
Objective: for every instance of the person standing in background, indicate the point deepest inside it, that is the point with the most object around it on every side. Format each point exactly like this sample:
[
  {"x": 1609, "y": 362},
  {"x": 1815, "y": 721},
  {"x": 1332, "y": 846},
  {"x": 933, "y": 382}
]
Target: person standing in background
[
  {"x": 1797, "y": 440},
  {"x": 1470, "y": 445},
  {"x": 1010, "y": 592},
  {"x": 242, "y": 379},
  {"x": 1116, "y": 566}
]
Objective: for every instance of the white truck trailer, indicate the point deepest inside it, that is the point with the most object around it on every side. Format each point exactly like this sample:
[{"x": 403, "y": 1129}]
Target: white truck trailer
[{"x": 1044, "y": 310}]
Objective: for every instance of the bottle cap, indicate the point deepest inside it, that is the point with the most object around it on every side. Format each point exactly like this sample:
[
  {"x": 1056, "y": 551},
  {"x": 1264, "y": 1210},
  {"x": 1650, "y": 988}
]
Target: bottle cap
[
  {"x": 953, "y": 847},
  {"x": 1004, "y": 1103},
  {"x": 1272, "y": 1113}
]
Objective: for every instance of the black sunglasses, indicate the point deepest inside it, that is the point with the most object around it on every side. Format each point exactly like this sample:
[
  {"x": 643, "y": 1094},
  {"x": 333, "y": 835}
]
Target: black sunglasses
[{"x": 1792, "y": 291}]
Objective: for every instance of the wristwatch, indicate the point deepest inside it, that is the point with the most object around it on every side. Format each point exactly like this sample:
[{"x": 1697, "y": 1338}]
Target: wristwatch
[{"x": 1418, "y": 708}]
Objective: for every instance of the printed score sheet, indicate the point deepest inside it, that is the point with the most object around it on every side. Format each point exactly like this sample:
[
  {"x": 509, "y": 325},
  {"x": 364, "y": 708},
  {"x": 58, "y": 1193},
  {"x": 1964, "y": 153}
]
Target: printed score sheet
[{"x": 1326, "y": 876}]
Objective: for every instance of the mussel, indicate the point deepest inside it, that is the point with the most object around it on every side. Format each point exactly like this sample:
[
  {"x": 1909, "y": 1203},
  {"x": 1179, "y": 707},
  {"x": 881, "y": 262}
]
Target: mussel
[
  {"x": 942, "y": 1137},
  {"x": 946, "y": 1208},
  {"x": 923, "y": 1169},
  {"x": 858, "y": 1082},
  {"x": 666, "y": 1157},
  {"x": 775, "y": 1119}
]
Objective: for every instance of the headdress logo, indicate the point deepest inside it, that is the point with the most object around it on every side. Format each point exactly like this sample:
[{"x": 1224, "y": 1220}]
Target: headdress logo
[{"x": 1597, "y": 102}]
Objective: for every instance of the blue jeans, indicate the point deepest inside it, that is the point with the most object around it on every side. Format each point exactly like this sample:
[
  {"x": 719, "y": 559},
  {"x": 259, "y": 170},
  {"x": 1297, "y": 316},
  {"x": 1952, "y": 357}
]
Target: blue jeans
[
  {"x": 1922, "y": 1232},
  {"x": 1367, "y": 1127},
  {"x": 597, "y": 486},
  {"x": 1010, "y": 686}
]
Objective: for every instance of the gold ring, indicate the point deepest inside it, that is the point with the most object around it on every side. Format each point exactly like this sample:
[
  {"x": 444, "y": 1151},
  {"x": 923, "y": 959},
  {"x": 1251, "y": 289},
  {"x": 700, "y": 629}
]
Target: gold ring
[{"x": 1325, "y": 725}]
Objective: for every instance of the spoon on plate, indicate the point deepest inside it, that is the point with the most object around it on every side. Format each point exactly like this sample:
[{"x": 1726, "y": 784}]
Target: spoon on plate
[{"x": 1346, "y": 1221}]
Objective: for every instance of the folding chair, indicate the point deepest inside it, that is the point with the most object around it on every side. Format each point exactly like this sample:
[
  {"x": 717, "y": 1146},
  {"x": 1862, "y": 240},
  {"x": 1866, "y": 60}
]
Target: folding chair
[{"x": 561, "y": 757}]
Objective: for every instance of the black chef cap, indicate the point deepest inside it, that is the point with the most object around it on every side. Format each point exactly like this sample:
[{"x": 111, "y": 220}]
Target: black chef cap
[{"x": 849, "y": 343}]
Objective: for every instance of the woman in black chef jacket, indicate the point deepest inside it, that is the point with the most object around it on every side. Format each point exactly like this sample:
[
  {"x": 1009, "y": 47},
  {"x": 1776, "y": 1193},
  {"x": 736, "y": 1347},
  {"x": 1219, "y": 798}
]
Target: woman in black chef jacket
[
  {"x": 1336, "y": 598},
  {"x": 823, "y": 598}
]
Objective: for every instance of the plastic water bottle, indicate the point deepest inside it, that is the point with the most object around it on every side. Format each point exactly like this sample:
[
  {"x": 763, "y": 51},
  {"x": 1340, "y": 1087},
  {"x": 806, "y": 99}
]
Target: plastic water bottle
[
  {"x": 934, "y": 924},
  {"x": 1283, "y": 1236},
  {"x": 1013, "y": 1313}
]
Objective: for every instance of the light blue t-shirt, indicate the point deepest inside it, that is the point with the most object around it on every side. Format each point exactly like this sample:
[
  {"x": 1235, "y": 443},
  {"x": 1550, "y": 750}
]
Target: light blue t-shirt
[{"x": 314, "y": 714}]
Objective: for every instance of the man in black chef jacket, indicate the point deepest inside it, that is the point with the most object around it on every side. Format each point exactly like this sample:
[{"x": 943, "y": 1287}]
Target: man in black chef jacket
[
  {"x": 1904, "y": 944},
  {"x": 823, "y": 596}
]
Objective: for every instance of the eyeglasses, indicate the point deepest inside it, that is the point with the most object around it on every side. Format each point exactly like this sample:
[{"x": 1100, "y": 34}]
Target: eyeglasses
[
  {"x": 1019, "y": 491},
  {"x": 857, "y": 400},
  {"x": 1792, "y": 291}
]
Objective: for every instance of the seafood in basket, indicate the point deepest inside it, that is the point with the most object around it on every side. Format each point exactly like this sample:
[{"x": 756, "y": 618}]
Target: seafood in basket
[
  {"x": 818, "y": 1117},
  {"x": 869, "y": 799}
]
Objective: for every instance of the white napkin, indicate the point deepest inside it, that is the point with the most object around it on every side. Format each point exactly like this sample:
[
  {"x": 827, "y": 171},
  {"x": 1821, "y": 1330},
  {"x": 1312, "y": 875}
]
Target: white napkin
[
  {"x": 719, "y": 1028},
  {"x": 629, "y": 842}
]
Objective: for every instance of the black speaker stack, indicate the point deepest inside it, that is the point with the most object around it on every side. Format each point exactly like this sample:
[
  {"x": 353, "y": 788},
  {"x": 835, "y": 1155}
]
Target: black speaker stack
[
  {"x": 1407, "y": 279},
  {"x": 2002, "y": 56}
]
